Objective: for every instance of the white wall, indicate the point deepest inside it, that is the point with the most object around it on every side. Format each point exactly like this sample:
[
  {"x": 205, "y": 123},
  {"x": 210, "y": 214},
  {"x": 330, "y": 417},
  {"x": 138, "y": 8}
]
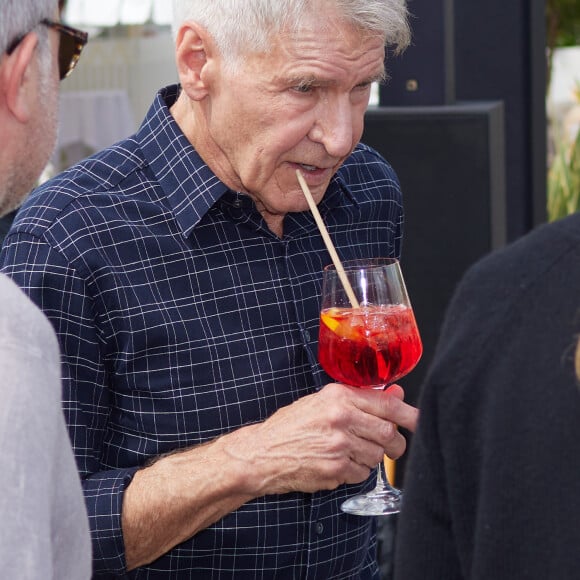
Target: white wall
[{"x": 563, "y": 99}]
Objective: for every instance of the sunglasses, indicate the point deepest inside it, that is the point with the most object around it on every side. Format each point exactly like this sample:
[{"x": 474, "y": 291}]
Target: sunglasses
[{"x": 71, "y": 44}]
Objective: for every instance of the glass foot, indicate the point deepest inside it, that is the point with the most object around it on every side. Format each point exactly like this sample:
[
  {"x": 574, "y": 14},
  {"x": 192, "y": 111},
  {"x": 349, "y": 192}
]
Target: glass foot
[{"x": 375, "y": 503}]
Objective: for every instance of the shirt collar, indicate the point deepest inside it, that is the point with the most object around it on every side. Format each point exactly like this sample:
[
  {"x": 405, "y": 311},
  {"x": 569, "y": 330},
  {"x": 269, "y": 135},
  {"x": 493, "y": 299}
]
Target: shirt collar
[{"x": 190, "y": 185}]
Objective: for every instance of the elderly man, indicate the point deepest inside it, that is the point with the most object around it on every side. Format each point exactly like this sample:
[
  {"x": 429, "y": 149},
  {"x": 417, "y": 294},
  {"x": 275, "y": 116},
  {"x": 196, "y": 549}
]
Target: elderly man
[
  {"x": 181, "y": 269},
  {"x": 44, "y": 531}
]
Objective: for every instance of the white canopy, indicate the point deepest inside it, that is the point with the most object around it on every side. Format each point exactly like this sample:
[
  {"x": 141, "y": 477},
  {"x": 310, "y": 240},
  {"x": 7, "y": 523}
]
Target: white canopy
[{"x": 89, "y": 13}]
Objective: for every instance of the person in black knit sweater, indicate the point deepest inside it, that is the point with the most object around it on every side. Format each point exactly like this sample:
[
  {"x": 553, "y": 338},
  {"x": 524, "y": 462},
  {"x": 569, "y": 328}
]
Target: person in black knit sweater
[{"x": 492, "y": 486}]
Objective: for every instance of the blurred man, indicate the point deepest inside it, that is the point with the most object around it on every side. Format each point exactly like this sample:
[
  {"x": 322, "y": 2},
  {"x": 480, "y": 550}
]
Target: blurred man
[{"x": 44, "y": 531}]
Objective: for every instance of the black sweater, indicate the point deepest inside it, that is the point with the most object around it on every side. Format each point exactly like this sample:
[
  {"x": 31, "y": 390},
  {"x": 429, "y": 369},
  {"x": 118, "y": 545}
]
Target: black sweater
[{"x": 492, "y": 488}]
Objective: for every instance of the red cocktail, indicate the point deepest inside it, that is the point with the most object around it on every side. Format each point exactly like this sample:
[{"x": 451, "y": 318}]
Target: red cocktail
[{"x": 369, "y": 347}]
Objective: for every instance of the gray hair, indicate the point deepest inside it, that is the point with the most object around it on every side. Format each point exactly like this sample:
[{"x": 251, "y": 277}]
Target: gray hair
[
  {"x": 20, "y": 17},
  {"x": 240, "y": 26}
]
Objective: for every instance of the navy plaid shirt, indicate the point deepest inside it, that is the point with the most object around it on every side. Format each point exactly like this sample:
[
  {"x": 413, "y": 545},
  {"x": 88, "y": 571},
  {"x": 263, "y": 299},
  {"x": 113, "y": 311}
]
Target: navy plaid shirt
[{"x": 181, "y": 316}]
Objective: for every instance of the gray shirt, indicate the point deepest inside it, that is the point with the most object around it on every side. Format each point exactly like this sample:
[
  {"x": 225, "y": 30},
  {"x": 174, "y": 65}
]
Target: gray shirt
[{"x": 44, "y": 532}]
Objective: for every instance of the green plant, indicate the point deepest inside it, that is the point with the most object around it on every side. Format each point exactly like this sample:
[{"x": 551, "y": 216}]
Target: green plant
[
  {"x": 563, "y": 29},
  {"x": 563, "y": 22},
  {"x": 564, "y": 178}
]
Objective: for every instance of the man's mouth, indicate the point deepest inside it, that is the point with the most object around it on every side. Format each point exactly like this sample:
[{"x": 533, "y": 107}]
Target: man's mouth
[{"x": 314, "y": 173}]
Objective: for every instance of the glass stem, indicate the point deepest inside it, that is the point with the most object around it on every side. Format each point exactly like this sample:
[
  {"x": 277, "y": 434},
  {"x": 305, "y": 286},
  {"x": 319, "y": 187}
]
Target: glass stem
[{"x": 382, "y": 481}]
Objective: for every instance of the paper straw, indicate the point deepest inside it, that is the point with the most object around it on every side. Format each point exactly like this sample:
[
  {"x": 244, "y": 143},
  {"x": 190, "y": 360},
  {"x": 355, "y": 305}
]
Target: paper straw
[{"x": 329, "y": 245}]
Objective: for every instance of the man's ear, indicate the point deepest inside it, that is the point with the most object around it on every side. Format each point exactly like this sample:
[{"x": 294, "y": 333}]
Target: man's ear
[
  {"x": 193, "y": 49},
  {"x": 17, "y": 78}
]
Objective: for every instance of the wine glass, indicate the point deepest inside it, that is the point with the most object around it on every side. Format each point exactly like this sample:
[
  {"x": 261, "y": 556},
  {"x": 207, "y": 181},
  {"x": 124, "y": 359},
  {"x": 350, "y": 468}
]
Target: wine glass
[{"x": 368, "y": 339}]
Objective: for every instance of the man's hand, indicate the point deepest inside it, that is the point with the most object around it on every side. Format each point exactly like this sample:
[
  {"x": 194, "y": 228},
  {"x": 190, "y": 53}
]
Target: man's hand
[{"x": 337, "y": 435}]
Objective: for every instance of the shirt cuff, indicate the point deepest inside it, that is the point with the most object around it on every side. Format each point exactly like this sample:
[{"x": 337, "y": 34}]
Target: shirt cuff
[{"x": 104, "y": 493}]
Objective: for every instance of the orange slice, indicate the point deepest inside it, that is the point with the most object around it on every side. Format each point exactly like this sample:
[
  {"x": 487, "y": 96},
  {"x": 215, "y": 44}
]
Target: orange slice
[
  {"x": 340, "y": 321},
  {"x": 329, "y": 321}
]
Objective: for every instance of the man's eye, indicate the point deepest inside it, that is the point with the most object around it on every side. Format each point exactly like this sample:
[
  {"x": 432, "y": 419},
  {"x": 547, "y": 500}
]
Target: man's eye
[{"x": 304, "y": 88}]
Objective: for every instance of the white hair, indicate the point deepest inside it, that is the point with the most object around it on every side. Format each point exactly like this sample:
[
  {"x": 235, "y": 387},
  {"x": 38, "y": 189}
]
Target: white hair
[
  {"x": 19, "y": 17},
  {"x": 241, "y": 26}
]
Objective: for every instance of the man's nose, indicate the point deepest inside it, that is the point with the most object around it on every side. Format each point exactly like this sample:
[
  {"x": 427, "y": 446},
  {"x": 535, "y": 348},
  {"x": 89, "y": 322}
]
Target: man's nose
[{"x": 334, "y": 128}]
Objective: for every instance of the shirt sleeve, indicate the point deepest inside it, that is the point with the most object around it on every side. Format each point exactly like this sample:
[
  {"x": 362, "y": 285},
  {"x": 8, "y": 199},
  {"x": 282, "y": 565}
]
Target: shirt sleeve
[{"x": 64, "y": 295}]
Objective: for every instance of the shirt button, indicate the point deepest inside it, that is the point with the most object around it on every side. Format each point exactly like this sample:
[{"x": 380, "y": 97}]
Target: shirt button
[
  {"x": 306, "y": 336},
  {"x": 319, "y": 528},
  {"x": 237, "y": 204}
]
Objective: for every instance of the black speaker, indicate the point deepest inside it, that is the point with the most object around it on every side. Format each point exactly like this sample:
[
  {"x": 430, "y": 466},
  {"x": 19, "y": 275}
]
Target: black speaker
[
  {"x": 424, "y": 74},
  {"x": 450, "y": 161}
]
